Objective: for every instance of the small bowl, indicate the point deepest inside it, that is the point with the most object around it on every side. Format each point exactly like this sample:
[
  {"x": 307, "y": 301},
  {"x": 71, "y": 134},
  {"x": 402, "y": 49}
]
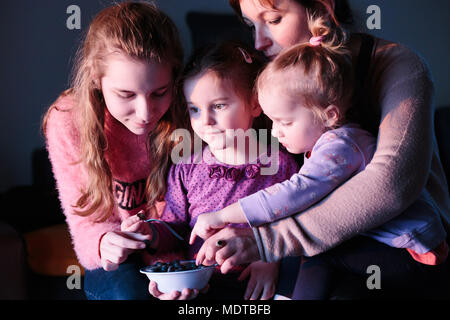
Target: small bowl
[{"x": 179, "y": 280}]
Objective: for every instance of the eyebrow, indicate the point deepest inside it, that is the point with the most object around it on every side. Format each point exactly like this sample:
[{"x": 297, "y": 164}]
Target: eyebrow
[{"x": 212, "y": 101}]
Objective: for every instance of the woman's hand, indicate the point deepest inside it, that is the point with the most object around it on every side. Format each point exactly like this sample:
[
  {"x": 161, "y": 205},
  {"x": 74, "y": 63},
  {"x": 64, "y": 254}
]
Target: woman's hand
[
  {"x": 116, "y": 246},
  {"x": 263, "y": 280},
  {"x": 186, "y": 294},
  {"x": 239, "y": 247}
]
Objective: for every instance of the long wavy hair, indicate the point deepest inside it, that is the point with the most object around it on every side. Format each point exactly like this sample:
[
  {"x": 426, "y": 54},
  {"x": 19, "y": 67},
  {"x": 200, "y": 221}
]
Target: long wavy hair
[{"x": 141, "y": 31}]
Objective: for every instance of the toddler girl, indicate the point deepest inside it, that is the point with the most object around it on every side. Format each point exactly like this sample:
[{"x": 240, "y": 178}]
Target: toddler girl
[
  {"x": 221, "y": 107},
  {"x": 306, "y": 92}
]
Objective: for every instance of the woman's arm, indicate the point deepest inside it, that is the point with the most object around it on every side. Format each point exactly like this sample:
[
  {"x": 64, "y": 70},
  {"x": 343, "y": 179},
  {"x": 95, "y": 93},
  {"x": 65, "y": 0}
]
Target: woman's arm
[{"x": 388, "y": 185}]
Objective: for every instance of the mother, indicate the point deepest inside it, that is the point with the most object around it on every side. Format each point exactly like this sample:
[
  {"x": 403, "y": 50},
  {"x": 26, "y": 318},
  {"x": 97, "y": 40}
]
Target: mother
[{"x": 397, "y": 95}]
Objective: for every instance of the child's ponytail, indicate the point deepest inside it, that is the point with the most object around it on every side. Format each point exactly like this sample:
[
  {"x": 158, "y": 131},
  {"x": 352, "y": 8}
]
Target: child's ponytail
[{"x": 332, "y": 36}]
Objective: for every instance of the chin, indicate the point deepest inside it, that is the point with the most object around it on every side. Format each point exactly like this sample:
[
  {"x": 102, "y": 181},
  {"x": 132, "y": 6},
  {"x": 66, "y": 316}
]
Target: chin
[{"x": 140, "y": 131}]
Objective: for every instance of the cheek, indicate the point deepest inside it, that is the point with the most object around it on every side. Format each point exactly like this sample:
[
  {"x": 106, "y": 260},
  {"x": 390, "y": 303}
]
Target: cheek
[
  {"x": 118, "y": 109},
  {"x": 196, "y": 126},
  {"x": 296, "y": 32}
]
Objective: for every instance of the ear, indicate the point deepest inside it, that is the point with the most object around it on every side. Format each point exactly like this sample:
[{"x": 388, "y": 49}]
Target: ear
[
  {"x": 332, "y": 113},
  {"x": 255, "y": 108}
]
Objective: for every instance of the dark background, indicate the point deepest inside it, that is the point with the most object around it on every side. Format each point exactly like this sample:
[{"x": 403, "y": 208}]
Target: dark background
[{"x": 37, "y": 53}]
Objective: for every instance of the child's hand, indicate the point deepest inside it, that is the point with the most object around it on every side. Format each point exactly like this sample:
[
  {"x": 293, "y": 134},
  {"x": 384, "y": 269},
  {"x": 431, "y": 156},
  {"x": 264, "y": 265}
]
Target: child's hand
[
  {"x": 263, "y": 279},
  {"x": 116, "y": 246},
  {"x": 185, "y": 294},
  {"x": 207, "y": 224}
]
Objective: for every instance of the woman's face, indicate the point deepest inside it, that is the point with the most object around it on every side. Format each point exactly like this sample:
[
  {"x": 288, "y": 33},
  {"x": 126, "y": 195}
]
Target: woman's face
[
  {"x": 276, "y": 28},
  {"x": 137, "y": 93}
]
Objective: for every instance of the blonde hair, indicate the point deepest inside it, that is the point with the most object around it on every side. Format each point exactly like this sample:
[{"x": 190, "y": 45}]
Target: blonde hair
[
  {"x": 320, "y": 75},
  {"x": 140, "y": 31}
]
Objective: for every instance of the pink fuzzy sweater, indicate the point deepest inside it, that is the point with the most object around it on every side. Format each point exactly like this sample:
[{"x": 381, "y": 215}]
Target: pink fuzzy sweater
[{"x": 129, "y": 163}]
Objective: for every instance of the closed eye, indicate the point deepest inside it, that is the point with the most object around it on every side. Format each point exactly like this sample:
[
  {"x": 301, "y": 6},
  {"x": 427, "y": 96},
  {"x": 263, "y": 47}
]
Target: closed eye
[
  {"x": 275, "y": 21},
  {"x": 219, "y": 106},
  {"x": 125, "y": 95},
  {"x": 160, "y": 93}
]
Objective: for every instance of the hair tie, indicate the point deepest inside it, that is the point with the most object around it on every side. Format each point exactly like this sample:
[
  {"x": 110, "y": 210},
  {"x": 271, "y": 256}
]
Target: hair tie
[
  {"x": 316, "y": 41},
  {"x": 246, "y": 56}
]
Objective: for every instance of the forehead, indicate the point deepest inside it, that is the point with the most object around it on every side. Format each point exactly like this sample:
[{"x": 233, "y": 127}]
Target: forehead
[
  {"x": 126, "y": 71},
  {"x": 276, "y": 103},
  {"x": 256, "y": 7},
  {"x": 207, "y": 85}
]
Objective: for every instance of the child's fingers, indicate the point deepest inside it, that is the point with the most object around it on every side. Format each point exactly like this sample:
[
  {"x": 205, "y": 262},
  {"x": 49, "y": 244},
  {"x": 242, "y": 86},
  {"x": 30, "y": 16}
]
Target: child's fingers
[
  {"x": 127, "y": 223},
  {"x": 153, "y": 290},
  {"x": 128, "y": 240},
  {"x": 136, "y": 227},
  {"x": 193, "y": 235}
]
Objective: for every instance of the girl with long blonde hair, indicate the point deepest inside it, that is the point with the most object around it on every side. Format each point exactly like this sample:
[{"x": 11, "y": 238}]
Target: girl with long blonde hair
[{"x": 109, "y": 141}]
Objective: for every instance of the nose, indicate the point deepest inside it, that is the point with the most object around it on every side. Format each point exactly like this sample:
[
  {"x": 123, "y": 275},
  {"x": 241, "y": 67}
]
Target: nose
[
  {"x": 262, "y": 40},
  {"x": 276, "y": 132},
  {"x": 143, "y": 110},
  {"x": 207, "y": 118}
]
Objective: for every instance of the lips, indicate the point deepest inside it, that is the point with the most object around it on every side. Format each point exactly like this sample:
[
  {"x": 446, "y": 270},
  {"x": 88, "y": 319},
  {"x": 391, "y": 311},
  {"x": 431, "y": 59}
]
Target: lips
[{"x": 141, "y": 125}]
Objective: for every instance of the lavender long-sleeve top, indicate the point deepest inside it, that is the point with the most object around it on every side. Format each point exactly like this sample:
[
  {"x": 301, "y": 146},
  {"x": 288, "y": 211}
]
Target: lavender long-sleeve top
[
  {"x": 209, "y": 186},
  {"x": 337, "y": 156}
]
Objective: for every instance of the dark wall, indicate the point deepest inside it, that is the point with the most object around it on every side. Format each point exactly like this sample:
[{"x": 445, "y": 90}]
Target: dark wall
[{"x": 37, "y": 52}]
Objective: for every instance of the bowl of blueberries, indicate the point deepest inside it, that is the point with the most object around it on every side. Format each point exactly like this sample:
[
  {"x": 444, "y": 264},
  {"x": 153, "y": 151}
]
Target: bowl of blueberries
[{"x": 178, "y": 275}]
